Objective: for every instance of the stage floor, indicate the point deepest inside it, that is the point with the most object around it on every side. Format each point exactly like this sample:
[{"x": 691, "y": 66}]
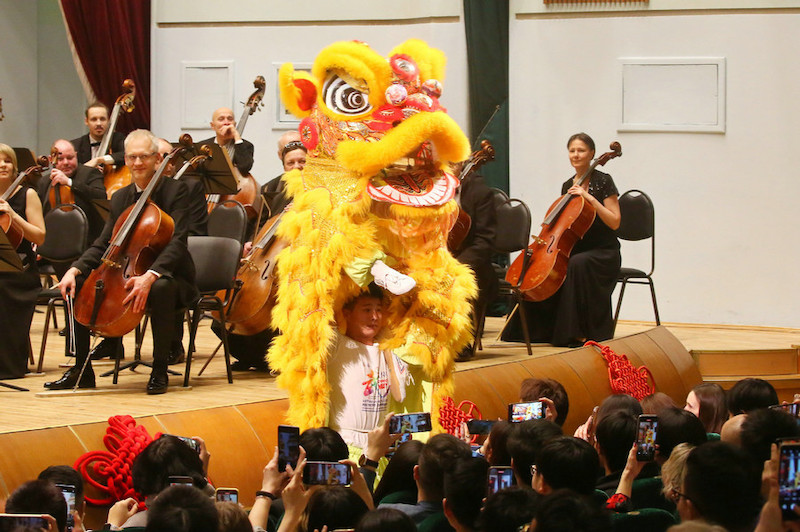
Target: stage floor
[{"x": 38, "y": 409}]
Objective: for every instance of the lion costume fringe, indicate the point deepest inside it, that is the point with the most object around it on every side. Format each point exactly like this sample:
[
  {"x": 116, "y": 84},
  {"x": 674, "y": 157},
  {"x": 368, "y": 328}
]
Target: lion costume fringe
[{"x": 376, "y": 182}]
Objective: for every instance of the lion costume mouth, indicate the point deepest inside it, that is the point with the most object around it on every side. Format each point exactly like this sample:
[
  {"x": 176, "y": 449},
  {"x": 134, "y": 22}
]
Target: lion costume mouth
[{"x": 415, "y": 187}]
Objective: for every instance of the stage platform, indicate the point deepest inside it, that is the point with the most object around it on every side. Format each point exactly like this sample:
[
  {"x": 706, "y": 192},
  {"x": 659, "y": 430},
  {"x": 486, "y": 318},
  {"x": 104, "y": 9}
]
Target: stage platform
[{"x": 38, "y": 409}]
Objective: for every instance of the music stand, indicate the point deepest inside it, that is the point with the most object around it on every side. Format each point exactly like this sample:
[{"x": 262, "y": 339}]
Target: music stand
[
  {"x": 216, "y": 172},
  {"x": 9, "y": 263},
  {"x": 103, "y": 207}
]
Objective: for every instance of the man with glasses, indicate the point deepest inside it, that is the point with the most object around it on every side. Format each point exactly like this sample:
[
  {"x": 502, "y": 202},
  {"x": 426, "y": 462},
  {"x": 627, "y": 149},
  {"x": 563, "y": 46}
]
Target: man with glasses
[{"x": 169, "y": 283}]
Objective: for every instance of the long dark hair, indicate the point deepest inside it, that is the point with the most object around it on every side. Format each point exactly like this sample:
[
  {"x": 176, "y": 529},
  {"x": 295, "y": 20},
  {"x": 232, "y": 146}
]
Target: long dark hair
[{"x": 399, "y": 473}]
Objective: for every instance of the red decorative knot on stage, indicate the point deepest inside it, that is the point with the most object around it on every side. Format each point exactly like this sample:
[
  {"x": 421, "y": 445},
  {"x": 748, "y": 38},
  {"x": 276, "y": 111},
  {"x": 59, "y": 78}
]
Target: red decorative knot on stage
[
  {"x": 622, "y": 376},
  {"x": 110, "y": 471},
  {"x": 451, "y": 416}
]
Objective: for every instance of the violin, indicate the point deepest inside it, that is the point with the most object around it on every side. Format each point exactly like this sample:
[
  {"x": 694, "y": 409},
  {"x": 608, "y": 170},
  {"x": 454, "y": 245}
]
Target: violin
[
  {"x": 116, "y": 178},
  {"x": 141, "y": 232},
  {"x": 15, "y": 234},
  {"x": 247, "y": 186},
  {"x": 543, "y": 265},
  {"x": 58, "y": 194},
  {"x": 463, "y": 223}
]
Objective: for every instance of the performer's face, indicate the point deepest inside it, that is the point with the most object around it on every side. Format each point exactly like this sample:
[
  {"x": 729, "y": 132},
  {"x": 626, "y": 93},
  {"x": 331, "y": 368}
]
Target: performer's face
[
  {"x": 67, "y": 160},
  {"x": 580, "y": 156},
  {"x": 142, "y": 160},
  {"x": 294, "y": 159},
  {"x": 97, "y": 122},
  {"x": 364, "y": 320},
  {"x": 6, "y": 167}
]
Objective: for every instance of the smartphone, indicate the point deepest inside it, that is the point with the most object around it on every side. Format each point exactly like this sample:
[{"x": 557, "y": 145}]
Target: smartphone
[
  {"x": 327, "y": 473},
  {"x": 288, "y": 446},
  {"x": 188, "y": 441},
  {"x": 518, "y": 412},
  {"x": 227, "y": 495},
  {"x": 480, "y": 426},
  {"x": 177, "y": 480},
  {"x": 500, "y": 477},
  {"x": 792, "y": 408},
  {"x": 68, "y": 490},
  {"x": 789, "y": 477},
  {"x": 646, "y": 438},
  {"x": 10, "y": 522},
  {"x": 405, "y": 423}
]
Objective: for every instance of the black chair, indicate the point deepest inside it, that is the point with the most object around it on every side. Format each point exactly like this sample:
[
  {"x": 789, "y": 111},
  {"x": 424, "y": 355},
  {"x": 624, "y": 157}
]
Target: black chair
[
  {"x": 66, "y": 238},
  {"x": 229, "y": 219},
  {"x": 637, "y": 223},
  {"x": 216, "y": 261},
  {"x": 514, "y": 219}
]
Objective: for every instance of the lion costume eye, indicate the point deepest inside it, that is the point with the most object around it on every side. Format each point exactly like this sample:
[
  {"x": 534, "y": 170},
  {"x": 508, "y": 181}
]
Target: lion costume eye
[{"x": 342, "y": 98}]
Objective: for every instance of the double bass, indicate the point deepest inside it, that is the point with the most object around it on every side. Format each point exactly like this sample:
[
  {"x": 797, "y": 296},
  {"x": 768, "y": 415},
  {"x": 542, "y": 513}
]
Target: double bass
[
  {"x": 247, "y": 186},
  {"x": 543, "y": 265},
  {"x": 116, "y": 178},
  {"x": 139, "y": 235},
  {"x": 14, "y": 233}
]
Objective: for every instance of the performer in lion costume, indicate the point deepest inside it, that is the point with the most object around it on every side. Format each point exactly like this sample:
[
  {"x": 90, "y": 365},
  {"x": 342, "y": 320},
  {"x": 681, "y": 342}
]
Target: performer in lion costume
[{"x": 376, "y": 186}]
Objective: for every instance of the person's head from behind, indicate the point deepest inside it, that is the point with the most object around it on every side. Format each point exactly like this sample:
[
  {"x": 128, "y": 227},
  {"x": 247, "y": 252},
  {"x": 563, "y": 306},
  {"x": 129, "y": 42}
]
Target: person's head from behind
[
  {"x": 364, "y": 315},
  {"x": 618, "y": 401},
  {"x": 762, "y": 427},
  {"x": 385, "y": 519},
  {"x": 677, "y": 426},
  {"x": 323, "y": 444},
  {"x": 165, "y": 457},
  {"x": 614, "y": 435},
  {"x": 707, "y": 402},
  {"x": 508, "y": 509},
  {"x": 495, "y": 448},
  {"x": 399, "y": 473},
  {"x": 334, "y": 507},
  {"x": 566, "y": 462},
  {"x": 64, "y": 475},
  {"x": 533, "y": 389},
  {"x": 232, "y": 517},
  {"x": 39, "y": 497},
  {"x": 750, "y": 394},
  {"x": 656, "y": 402},
  {"x": 182, "y": 509},
  {"x": 464, "y": 491},
  {"x": 566, "y": 511},
  {"x": 732, "y": 429},
  {"x": 673, "y": 471},
  {"x": 438, "y": 456},
  {"x": 524, "y": 442},
  {"x": 721, "y": 487}
]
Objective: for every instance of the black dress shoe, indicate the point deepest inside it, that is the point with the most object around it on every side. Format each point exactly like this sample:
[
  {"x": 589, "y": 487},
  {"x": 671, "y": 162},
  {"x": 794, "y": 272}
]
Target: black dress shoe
[
  {"x": 468, "y": 353},
  {"x": 69, "y": 379},
  {"x": 107, "y": 348},
  {"x": 258, "y": 365},
  {"x": 157, "y": 384},
  {"x": 176, "y": 355}
]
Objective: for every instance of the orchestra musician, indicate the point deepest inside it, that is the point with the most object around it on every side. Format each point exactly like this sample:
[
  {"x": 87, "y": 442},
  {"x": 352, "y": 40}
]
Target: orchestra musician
[
  {"x": 164, "y": 289},
  {"x": 581, "y": 309},
  {"x": 18, "y": 290},
  {"x": 88, "y": 145},
  {"x": 224, "y": 125}
]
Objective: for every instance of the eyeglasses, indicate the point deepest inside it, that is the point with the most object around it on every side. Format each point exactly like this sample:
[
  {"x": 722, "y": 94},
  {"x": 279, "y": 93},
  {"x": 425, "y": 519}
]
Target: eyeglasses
[
  {"x": 143, "y": 157},
  {"x": 524, "y": 528},
  {"x": 676, "y": 496}
]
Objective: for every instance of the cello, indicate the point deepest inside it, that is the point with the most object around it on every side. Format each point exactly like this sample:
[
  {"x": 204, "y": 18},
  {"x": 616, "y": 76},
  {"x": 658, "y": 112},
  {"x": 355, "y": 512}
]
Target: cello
[
  {"x": 14, "y": 233},
  {"x": 463, "y": 223},
  {"x": 116, "y": 178},
  {"x": 247, "y": 186},
  {"x": 139, "y": 235},
  {"x": 543, "y": 265}
]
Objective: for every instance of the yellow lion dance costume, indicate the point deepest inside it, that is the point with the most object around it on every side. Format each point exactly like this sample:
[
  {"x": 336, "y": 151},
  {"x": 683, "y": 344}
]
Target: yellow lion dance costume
[{"x": 376, "y": 182}]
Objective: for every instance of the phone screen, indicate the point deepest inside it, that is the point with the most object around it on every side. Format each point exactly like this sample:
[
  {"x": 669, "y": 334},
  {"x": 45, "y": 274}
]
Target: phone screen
[
  {"x": 68, "y": 490},
  {"x": 500, "y": 478},
  {"x": 288, "y": 446},
  {"x": 646, "y": 438},
  {"x": 480, "y": 426},
  {"x": 176, "y": 480},
  {"x": 227, "y": 495},
  {"x": 10, "y": 522},
  {"x": 792, "y": 408},
  {"x": 518, "y": 412},
  {"x": 406, "y": 423},
  {"x": 327, "y": 473},
  {"x": 789, "y": 478}
]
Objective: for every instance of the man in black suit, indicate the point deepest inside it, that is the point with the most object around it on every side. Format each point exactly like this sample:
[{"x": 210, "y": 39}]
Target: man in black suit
[
  {"x": 224, "y": 125},
  {"x": 86, "y": 184},
  {"x": 168, "y": 284},
  {"x": 88, "y": 145}
]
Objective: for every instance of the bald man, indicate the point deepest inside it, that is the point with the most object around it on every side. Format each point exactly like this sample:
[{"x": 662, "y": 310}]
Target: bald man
[
  {"x": 224, "y": 125},
  {"x": 292, "y": 154}
]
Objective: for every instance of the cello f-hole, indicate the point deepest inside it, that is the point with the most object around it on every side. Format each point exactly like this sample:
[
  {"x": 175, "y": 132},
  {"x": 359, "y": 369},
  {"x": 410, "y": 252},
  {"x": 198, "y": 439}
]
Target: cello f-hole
[{"x": 265, "y": 271}]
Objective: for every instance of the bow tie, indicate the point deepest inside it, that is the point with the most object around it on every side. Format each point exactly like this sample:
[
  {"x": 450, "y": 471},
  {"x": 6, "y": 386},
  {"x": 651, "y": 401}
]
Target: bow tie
[{"x": 93, "y": 144}]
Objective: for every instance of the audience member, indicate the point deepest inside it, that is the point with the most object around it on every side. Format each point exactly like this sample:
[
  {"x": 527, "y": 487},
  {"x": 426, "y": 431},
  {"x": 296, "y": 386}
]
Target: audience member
[
  {"x": 508, "y": 509},
  {"x": 732, "y": 430},
  {"x": 534, "y": 389},
  {"x": 749, "y": 394},
  {"x": 617, "y": 401},
  {"x": 385, "y": 519},
  {"x": 707, "y": 402},
  {"x": 565, "y": 462},
  {"x": 39, "y": 497},
  {"x": 398, "y": 477},
  {"x": 464, "y": 491},
  {"x": 656, "y": 402},
  {"x": 567, "y": 511},
  {"x": 323, "y": 444},
  {"x": 495, "y": 448},
  {"x": 336, "y": 507},
  {"x": 763, "y": 427},
  {"x": 232, "y": 518},
  {"x": 721, "y": 487},
  {"x": 182, "y": 509},
  {"x": 67, "y": 475},
  {"x": 677, "y": 426},
  {"x": 524, "y": 442},
  {"x": 614, "y": 436},
  {"x": 673, "y": 472}
]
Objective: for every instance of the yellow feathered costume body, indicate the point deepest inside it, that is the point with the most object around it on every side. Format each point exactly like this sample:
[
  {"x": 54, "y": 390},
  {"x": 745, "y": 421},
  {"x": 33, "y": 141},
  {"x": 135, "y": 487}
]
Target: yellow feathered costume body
[{"x": 376, "y": 182}]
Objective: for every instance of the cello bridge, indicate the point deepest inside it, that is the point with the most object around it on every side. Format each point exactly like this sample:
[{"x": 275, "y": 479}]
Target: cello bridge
[
  {"x": 537, "y": 240},
  {"x": 111, "y": 264},
  {"x": 248, "y": 263}
]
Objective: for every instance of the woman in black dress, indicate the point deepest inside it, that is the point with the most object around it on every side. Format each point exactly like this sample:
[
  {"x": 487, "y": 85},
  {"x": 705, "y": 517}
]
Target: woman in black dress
[
  {"x": 18, "y": 290},
  {"x": 581, "y": 309}
]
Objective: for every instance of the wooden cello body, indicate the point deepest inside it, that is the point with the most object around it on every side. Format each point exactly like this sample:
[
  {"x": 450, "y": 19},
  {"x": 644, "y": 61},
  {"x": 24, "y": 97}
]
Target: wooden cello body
[
  {"x": 14, "y": 234},
  {"x": 540, "y": 270}
]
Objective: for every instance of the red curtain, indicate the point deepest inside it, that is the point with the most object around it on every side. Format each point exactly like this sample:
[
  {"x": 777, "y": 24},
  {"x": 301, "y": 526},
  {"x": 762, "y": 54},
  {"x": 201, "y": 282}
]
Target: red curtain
[{"x": 112, "y": 39}]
